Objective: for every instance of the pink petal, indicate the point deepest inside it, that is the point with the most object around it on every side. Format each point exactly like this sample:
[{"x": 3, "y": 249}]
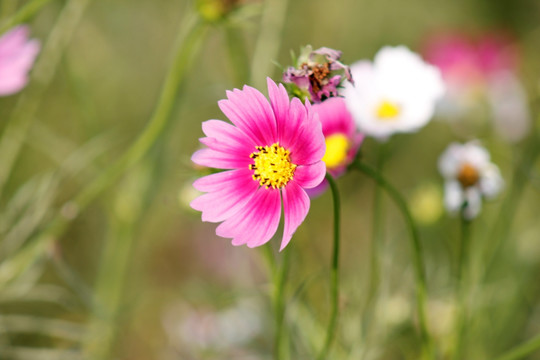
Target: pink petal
[
  {"x": 215, "y": 182},
  {"x": 335, "y": 117},
  {"x": 309, "y": 146},
  {"x": 16, "y": 60},
  {"x": 226, "y": 138},
  {"x": 220, "y": 160},
  {"x": 309, "y": 176},
  {"x": 249, "y": 110},
  {"x": 12, "y": 84},
  {"x": 257, "y": 222},
  {"x": 289, "y": 125},
  {"x": 295, "y": 209},
  {"x": 279, "y": 100},
  {"x": 13, "y": 40},
  {"x": 234, "y": 192}
]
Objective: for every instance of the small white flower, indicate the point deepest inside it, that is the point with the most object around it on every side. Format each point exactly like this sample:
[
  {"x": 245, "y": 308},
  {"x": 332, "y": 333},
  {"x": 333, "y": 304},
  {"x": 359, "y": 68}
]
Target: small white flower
[
  {"x": 469, "y": 176},
  {"x": 396, "y": 93}
]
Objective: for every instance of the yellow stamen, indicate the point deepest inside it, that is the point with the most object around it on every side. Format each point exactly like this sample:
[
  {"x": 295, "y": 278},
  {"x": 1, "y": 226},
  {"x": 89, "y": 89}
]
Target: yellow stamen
[
  {"x": 337, "y": 146},
  {"x": 388, "y": 111},
  {"x": 468, "y": 175},
  {"x": 272, "y": 166}
]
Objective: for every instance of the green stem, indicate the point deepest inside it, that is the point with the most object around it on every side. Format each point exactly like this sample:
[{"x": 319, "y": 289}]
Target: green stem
[
  {"x": 28, "y": 103},
  {"x": 109, "y": 289},
  {"x": 268, "y": 41},
  {"x": 522, "y": 350},
  {"x": 461, "y": 286},
  {"x": 334, "y": 272},
  {"x": 238, "y": 55},
  {"x": 501, "y": 228},
  {"x": 25, "y": 13},
  {"x": 417, "y": 252},
  {"x": 375, "y": 248},
  {"x": 189, "y": 41},
  {"x": 280, "y": 277}
]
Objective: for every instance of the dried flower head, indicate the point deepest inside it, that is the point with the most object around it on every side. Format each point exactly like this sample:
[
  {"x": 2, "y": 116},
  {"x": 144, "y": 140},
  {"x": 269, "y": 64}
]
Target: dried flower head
[{"x": 318, "y": 74}]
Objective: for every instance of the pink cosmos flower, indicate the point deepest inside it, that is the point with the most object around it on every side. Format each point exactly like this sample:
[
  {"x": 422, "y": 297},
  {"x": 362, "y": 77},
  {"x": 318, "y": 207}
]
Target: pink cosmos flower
[
  {"x": 272, "y": 151},
  {"x": 17, "y": 55},
  {"x": 464, "y": 62},
  {"x": 480, "y": 72},
  {"x": 341, "y": 136}
]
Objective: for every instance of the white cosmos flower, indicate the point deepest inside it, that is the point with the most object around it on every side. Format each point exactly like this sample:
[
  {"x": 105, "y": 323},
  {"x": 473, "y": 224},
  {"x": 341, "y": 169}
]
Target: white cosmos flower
[
  {"x": 469, "y": 176},
  {"x": 397, "y": 92}
]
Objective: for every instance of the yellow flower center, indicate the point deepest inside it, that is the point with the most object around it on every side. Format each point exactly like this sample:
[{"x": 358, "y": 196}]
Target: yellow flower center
[
  {"x": 337, "y": 146},
  {"x": 388, "y": 111},
  {"x": 468, "y": 175},
  {"x": 272, "y": 166}
]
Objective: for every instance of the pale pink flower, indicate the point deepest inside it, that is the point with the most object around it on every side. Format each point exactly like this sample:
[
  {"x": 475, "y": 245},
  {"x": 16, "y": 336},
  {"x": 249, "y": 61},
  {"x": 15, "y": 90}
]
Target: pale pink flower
[
  {"x": 478, "y": 72},
  {"x": 272, "y": 151},
  {"x": 17, "y": 55},
  {"x": 341, "y": 136}
]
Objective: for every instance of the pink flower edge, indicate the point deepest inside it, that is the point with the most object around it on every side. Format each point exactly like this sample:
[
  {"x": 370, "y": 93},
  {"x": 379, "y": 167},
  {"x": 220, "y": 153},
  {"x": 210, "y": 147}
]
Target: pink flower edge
[{"x": 17, "y": 55}]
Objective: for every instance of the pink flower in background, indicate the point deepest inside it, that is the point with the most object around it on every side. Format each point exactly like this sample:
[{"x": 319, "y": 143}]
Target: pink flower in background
[
  {"x": 467, "y": 63},
  {"x": 17, "y": 55},
  {"x": 272, "y": 151},
  {"x": 478, "y": 72},
  {"x": 341, "y": 136}
]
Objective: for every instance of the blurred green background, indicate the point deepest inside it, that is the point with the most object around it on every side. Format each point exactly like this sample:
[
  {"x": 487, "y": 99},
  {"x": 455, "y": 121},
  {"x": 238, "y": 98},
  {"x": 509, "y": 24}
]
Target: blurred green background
[{"x": 137, "y": 275}]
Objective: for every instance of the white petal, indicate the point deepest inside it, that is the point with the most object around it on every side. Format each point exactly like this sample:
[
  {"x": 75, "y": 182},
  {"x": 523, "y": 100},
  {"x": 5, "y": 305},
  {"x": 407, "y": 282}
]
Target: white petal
[
  {"x": 491, "y": 182},
  {"x": 453, "y": 196},
  {"x": 474, "y": 203}
]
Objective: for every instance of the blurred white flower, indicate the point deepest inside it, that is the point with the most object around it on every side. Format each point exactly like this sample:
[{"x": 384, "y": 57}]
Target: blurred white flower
[
  {"x": 396, "y": 93},
  {"x": 469, "y": 176}
]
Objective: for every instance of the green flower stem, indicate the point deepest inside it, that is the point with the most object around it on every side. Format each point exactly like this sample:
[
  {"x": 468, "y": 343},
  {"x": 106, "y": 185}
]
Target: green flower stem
[
  {"x": 521, "y": 351},
  {"x": 238, "y": 55},
  {"x": 25, "y": 13},
  {"x": 280, "y": 279},
  {"x": 108, "y": 292},
  {"x": 268, "y": 41},
  {"x": 189, "y": 41},
  {"x": 508, "y": 209},
  {"x": 42, "y": 75},
  {"x": 375, "y": 248},
  {"x": 462, "y": 286},
  {"x": 334, "y": 272},
  {"x": 418, "y": 257}
]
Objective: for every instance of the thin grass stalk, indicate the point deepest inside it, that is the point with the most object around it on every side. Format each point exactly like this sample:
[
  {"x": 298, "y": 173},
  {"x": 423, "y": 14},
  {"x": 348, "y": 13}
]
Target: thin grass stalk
[
  {"x": 280, "y": 280},
  {"x": 462, "y": 286},
  {"x": 417, "y": 254},
  {"x": 375, "y": 250},
  {"x": 334, "y": 272},
  {"x": 501, "y": 228},
  {"x": 24, "y": 14},
  {"x": 109, "y": 288},
  {"x": 523, "y": 350},
  {"x": 238, "y": 55},
  {"x": 268, "y": 41}
]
